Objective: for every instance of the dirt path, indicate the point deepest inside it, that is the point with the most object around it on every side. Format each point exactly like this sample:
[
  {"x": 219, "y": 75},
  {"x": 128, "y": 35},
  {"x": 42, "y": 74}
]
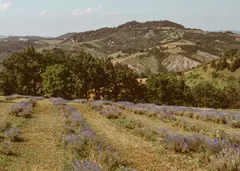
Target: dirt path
[
  {"x": 41, "y": 150},
  {"x": 144, "y": 156}
]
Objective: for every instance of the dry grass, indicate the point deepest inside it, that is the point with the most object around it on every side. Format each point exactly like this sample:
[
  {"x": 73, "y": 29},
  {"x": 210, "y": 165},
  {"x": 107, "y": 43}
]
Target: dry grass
[
  {"x": 40, "y": 149},
  {"x": 142, "y": 155},
  {"x": 151, "y": 121}
]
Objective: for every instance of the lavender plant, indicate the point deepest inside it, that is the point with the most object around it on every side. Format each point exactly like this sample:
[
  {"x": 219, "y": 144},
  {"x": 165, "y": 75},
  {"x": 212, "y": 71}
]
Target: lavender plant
[
  {"x": 6, "y": 148},
  {"x": 4, "y": 126},
  {"x": 12, "y": 135},
  {"x": 236, "y": 122},
  {"x": 227, "y": 160},
  {"x": 111, "y": 112},
  {"x": 23, "y": 109},
  {"x": 83, "y": 142},
  {"x": 167, "y": 112},
  {"x": 79, "y": 101},
  {"x": 86, "y": 166}
]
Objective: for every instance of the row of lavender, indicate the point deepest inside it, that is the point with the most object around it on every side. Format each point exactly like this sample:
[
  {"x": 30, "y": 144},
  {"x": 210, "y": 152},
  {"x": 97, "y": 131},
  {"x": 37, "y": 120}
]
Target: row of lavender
[
  {"x": 217, "y": 116},
  {"x": 113, "y": 112},
  {"x": 10, "y": 133},
  {"x": 214, "y": 150},
  {"x": 17, "y": 96},
  {"x": 23, "y": 108},
  {"x": 85, "y": 145},
  {"x": 167, "y": 114}
]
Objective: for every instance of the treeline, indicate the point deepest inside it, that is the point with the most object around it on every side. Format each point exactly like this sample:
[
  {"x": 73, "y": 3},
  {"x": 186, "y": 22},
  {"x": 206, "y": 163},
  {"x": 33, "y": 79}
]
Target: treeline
[
  {"x": 171, "y": 89},
  {"x": 55, "y": 74},
  {"x": 231, "y": 61}
]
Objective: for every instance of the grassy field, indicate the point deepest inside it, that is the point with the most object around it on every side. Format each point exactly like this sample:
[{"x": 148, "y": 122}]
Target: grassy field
[
  {"x": 39, "y": 148},
  {"x": 220, "y": 78},
  {"x": 130, "y": 136}
]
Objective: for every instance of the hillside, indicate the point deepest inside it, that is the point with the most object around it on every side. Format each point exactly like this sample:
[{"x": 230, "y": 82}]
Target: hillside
[
  {"x": 219, "y": 78},
  {"x": 140, "y": 45},
  {"x": 132, "y": 43}
]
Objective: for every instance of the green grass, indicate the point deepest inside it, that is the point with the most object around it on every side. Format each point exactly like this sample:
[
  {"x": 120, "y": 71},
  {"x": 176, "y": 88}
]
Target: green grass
[{"x": 224, "y": 77}]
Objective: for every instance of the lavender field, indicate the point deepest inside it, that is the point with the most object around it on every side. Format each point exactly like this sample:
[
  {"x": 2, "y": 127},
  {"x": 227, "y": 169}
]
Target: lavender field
[{"x": 56, "y": 134}]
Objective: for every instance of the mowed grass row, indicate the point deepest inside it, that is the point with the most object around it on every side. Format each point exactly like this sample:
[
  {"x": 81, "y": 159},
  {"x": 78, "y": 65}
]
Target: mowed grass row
[
  {"x": 40, "y": 148},
  {"x": 141, "y": 153},
  {"x": 7, "y": 148}
]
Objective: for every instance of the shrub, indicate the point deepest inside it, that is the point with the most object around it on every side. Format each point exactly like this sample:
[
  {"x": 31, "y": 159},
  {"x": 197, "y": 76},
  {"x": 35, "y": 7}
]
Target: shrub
[
  {"x": 236, "y": 122},
  {"x": 4, "y": 126},
  {"x": 23, "y": 109},
  {"x": 86, "y": 166},
  {"x": 176, "y": 143},
  {"x": 80, "y": 101},
  {"x": 148, "y": 133},
  {"x": 111, "y": 112},
  {"x": 6, "y": 148},
  {"x": 227, "y": 160},
  {"x": 214, "y": 146},
  {"x": 130, "y": 124},
  {"x": 12, "y": 135},
  {"x": 76, "y": 145}
]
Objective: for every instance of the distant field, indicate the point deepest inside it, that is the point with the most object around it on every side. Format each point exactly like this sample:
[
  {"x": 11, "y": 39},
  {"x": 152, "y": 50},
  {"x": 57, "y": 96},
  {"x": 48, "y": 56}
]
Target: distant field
[
  {"x": 175, "y": 44},
  {"x": 51, "y": 42},
  {"x": 144, "y": 137},
  {"x": 139, "y": 64}
]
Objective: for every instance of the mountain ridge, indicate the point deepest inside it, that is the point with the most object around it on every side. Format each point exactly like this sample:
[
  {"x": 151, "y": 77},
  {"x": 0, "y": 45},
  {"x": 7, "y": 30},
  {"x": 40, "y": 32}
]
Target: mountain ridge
[{"x": 147, "y": 47}]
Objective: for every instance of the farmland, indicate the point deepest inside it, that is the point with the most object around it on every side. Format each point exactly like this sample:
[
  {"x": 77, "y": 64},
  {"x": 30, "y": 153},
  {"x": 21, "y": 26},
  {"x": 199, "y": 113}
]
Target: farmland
[{"x": 55, "y": 134}]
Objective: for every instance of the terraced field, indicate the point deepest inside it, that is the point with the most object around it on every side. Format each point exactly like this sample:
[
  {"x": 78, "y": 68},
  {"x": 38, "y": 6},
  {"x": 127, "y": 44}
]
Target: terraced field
[{"x": 54, "y": 134}]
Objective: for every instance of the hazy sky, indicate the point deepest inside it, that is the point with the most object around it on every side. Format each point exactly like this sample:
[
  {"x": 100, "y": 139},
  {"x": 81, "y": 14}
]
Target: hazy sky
[{"x": 55, "y": 17}]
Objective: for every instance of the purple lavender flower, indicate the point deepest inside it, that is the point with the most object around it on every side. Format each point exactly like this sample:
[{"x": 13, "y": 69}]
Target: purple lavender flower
[
  {"x": 12, "y": 134},
  {"x": 85, "y": 166}
]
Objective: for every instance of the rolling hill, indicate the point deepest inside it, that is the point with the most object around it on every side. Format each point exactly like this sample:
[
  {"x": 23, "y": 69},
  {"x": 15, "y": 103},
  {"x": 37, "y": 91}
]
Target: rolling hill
[
  {"x": 137, "y": 44},
  {"x": 149, "y": 47}
]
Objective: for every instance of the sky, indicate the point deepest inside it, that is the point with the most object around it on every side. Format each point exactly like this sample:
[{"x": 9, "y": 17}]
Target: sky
[{"x": 55, "y": 17}]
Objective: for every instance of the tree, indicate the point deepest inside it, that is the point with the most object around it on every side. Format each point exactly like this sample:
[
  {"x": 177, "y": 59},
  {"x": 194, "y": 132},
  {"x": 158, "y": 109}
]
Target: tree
[
  {"x": 206, "y": 94},
  {"x": 223, "y": 64},
  {"x": 122, "y": 81},
  {"x": 26, "y": 68},
  {"x": 57, "y": 82},
  {"x": 231, "y": 53},
  {"x": 167, "y": 89}
]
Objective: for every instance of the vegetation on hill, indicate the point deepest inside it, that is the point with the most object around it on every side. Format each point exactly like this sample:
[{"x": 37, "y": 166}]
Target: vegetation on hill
[
  {"x": 231, "y": 61},
  {"x": 58, "y": 75},
  {"x": 186, "y": 48},
  {"x": 55, "y": 74}
]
